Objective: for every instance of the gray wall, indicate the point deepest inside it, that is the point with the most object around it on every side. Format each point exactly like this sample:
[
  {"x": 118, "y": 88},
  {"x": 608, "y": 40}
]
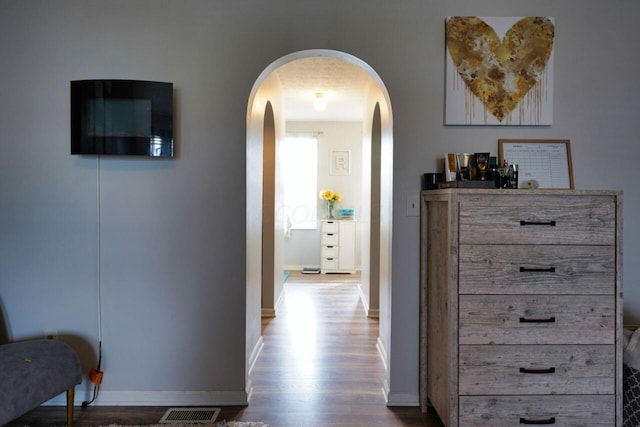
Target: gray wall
[{"x": 173, "y": 231}]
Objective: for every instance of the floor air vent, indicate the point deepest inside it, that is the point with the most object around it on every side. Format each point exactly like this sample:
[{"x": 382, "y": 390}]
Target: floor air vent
[{"x": 190, "y": 415}]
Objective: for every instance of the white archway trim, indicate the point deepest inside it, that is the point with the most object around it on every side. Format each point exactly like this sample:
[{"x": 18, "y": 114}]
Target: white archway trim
[{"x": 263, "y": 90}]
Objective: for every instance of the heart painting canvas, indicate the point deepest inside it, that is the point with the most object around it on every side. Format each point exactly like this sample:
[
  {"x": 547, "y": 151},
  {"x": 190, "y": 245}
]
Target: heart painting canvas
[{"x": 499, "y": 71}]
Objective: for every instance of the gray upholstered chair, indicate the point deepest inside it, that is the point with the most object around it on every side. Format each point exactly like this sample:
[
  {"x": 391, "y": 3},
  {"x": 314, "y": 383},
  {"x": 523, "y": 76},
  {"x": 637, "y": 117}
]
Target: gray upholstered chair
[{"x": 32, "y": 372}]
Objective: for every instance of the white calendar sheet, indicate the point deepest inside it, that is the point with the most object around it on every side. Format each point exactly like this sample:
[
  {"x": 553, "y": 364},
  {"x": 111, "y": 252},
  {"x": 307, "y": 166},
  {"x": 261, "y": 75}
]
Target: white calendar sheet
[{"x": 547, "y": 163}]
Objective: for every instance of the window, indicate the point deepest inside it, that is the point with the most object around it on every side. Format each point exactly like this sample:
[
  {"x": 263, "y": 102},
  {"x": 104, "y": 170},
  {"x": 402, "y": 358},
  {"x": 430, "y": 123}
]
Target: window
[{"x": 299, "y": 169}]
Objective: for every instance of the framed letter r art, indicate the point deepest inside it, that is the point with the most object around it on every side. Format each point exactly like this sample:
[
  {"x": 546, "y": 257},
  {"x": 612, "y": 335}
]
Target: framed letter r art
[{"x": 340, "y": 162}]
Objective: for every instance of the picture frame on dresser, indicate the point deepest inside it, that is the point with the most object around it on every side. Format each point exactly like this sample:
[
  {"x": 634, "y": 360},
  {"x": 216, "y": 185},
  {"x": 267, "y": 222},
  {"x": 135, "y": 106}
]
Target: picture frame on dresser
[{"x": 541, "y": 163}]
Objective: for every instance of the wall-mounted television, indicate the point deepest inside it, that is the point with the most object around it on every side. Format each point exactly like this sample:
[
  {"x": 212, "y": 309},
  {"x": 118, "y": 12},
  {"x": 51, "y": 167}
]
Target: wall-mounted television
[{"x": 122, "y": 117}]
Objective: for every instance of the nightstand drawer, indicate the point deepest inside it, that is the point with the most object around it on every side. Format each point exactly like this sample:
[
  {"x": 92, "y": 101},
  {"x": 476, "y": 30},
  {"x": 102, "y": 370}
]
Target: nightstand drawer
[
  {"x": 536, "y": 319},
  {"x": 504, "y": 219},
  {"x": 537, "y": 269},
  {"x": 536, "y": 369},
  {"x": 503, "y": 411}
]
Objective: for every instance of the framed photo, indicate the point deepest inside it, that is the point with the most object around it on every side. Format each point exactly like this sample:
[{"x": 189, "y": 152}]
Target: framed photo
[
  {"x": 542, "y": 163},
  {"x": 340, "y": 162}
]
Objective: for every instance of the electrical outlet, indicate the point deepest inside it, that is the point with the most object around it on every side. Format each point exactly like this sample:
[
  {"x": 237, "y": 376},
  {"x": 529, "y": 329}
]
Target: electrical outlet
[
  {"x": 51, "y": 334},
  {"x": 413, "y": 205}
]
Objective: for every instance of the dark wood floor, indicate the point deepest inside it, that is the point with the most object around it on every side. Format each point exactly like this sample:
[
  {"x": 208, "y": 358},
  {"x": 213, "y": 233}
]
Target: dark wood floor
[{"x": 319, "y": 367}]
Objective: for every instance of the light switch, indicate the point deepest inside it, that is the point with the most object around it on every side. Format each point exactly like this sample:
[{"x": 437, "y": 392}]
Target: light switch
[{"x": 413, "y": 205}]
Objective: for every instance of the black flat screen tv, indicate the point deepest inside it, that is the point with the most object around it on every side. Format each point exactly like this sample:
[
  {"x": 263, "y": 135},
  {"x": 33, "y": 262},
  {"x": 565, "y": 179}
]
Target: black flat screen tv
[{"x": 122, "y": 117}]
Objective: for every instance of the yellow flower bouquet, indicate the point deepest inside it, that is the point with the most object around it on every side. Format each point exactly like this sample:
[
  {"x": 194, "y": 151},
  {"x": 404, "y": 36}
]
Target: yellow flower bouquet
[{"x": 331, "y": 198}]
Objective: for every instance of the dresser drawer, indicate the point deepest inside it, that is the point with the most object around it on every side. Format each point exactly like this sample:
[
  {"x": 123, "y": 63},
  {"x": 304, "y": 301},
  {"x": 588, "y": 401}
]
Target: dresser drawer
[
  {"x": 536, "y": 269},
  {"x": 329, "y": 239},
  {"x": 536, "y": 369},
  {"x": 329, "y": 252},
  {"x": 536, "y": 319},
  {"x": 504, "y": 219},
  {"x": 329, "y": 264},
  {"x": 503, "y": 411},
  {"x": 329, "y": 227}
]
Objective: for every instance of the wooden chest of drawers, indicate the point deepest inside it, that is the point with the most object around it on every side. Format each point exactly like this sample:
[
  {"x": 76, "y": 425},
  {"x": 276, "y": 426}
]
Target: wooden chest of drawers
[{"x": 521, "y": 307}]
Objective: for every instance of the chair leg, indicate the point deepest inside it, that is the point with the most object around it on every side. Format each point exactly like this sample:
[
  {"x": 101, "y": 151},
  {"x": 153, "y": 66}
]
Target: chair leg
[{"x": 70, "y": 397}]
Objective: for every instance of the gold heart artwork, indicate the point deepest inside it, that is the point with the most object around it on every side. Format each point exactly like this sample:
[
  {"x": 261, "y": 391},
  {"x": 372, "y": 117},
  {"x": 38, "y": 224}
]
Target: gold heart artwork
[{"x": 500, "y": 72}]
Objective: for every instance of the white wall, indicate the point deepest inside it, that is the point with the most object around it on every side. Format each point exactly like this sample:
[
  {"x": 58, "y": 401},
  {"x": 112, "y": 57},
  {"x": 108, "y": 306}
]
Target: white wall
[
  {"x": 302, "y": 249},
  {"x": 173, "y": 231}
]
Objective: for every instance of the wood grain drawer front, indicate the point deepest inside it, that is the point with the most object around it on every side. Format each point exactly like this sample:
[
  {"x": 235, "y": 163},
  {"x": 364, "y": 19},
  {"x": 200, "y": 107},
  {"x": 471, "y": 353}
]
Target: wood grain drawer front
[
  {"x": 329, "y": 239},
  {"x": 504, "y": 219},
  {"x": 329, "y": 252},
  {"x": 536, "y": 319},
  {"x": 536, "y": 269},
  {"x": 503, "y": 411},
  {"x": 536, "y": 369}
]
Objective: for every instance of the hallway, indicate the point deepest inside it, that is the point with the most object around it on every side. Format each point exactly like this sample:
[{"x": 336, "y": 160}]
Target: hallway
[{"x": 320, "y": 365}]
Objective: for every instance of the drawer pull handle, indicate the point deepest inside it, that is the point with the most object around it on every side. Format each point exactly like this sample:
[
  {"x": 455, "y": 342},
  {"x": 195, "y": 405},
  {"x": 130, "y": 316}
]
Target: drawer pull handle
[
  {"x": 537, "y": 270},
  {"x": 538, "y": 371},
  {"x": 551, "y": 420},
  {"x": 549, "y": 223},
  {"x": 547, "y": 320}
]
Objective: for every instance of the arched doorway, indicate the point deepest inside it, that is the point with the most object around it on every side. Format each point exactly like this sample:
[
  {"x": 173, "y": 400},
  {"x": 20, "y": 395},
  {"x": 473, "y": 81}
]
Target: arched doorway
[{"x": 265, "y": 98}]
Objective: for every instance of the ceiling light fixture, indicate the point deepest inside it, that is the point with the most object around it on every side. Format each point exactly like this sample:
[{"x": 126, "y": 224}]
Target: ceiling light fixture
[{"x": 319, "y": 102}]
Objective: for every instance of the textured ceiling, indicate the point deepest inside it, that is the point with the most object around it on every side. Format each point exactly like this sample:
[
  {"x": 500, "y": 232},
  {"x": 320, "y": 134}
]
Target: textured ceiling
[{"x": 343, "y": 84}]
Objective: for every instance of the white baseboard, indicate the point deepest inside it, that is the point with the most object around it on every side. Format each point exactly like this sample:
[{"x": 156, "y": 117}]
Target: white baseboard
[
  {"x": 363, "y": 300},
  {"x": 268, "y": 312},
  {"x": 368, "y": 311},
  {"x": 273, "y": 312},
  {"x": 385, "y": 391},
  {"x": 249, "y": 390},
  {"x": 402, "y": 399},
  {"x": 279, "y": 301},
  {"x": 160, "y": 398},
  {"x": 255, "y": 353},
  {"x": 393, "y": 398},
  {"x": 201, "y": 398},
  {"x": 382, "y": 351}
]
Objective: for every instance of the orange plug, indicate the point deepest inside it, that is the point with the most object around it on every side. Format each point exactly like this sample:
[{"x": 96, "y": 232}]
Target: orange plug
[{"x": 95, "y": 376}]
